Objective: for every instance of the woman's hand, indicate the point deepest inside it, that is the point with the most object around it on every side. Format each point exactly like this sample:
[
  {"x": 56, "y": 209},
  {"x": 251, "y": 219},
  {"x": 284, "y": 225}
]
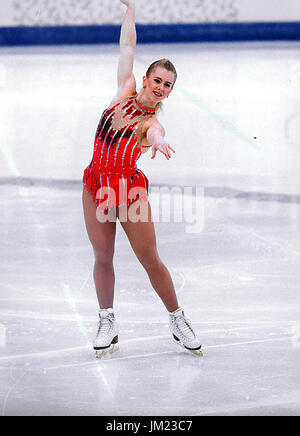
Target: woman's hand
[
  {"x": 163, "y": 148},
  {"x": 128, "y": 2},
  {"x": 155, "y": 136}
]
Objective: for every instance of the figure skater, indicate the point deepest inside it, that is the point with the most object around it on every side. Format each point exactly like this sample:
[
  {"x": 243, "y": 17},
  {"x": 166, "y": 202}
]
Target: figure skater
[{"x": 114, "y": 188}]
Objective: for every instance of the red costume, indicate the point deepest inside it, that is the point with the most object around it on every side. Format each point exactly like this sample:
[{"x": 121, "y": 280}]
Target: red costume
[{"x": 112, "y": 176}]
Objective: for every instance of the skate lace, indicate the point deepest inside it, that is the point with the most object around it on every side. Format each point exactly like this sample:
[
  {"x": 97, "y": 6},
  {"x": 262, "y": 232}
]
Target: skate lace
[
  {"x": 184, "y": 326},
  {"x": 105, "y": 325}
]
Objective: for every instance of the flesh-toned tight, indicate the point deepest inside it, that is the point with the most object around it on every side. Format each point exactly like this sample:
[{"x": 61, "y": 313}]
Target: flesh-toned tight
[{"x": 141, "y": 236}]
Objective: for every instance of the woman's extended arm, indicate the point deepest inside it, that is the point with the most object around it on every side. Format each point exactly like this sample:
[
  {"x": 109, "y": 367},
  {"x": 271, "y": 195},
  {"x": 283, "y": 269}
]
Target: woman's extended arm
[{"x": 126, "y": 79}]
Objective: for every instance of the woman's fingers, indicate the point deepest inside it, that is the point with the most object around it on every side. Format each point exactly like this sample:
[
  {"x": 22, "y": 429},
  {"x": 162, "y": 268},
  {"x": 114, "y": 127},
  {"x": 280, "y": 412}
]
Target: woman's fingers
[
  {"x": 127, "y": 2},
  {"x": 167, "y": 153},
  {"x": 164, "y": 149},
  {"x": 167, "y": 149},
  {"x": 154, "y": 150}
]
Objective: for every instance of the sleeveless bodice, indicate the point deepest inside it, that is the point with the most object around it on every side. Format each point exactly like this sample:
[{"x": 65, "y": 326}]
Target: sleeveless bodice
[{"x": 117, "y": 147}]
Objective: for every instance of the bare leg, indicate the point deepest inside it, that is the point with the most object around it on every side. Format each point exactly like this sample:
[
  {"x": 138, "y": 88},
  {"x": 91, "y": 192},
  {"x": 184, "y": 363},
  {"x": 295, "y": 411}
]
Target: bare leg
[
  {"x": 102, "y": 237},
  {"x": 142, "y": 238}
]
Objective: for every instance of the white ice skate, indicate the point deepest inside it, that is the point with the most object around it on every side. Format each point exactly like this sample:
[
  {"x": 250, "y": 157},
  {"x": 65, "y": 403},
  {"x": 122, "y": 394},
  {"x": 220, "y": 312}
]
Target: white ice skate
[
  {"x": 183, "y": 333},
  {"x": 107, "y": 336}
]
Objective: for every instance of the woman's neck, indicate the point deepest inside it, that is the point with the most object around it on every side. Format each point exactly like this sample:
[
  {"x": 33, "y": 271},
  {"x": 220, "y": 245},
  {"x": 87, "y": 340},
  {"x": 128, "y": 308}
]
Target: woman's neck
[{"x": 144, "y": 101}]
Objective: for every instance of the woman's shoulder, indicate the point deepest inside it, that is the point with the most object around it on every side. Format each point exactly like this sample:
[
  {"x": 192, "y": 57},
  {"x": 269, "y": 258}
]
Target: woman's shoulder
[
  {"x": 120, "y": 99},
  {"x": 125, "y": 90}
]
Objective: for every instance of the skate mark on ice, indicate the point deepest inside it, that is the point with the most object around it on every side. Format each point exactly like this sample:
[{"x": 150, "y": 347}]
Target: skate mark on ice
[
  {"x": 112, "y": 360},
  {"x": 90, "y": 319},
  {"x": 259, "y": 341},
  {"x": 67, "y": 351},
  {"x": 43, "y": 354},
  {"x": 83, "y": 330},
  {"x": 16, "y": 382},
  {"x": 284, "y": 400},
  {"x": 136, "y": 356}
]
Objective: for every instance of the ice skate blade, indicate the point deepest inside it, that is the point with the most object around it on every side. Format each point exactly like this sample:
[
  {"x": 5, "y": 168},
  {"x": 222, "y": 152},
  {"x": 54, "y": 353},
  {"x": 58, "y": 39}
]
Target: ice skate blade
[
  {"x": 183, "y": 349},
  {"x": 107, "y": 353},
  {"x": 197, "y": 352}
]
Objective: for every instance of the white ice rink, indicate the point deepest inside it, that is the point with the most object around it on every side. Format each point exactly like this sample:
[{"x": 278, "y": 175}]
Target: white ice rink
[{"x": 234, "y": 120}]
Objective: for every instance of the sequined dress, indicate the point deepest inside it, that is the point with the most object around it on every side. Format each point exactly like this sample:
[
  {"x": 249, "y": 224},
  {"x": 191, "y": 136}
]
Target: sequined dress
[{"x": 112, "y": 176}]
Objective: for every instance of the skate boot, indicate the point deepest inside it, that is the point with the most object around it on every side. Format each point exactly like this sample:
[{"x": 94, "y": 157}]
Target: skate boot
[
  {"x": 107, "y": 335},
  {"x": 183, "y": 333}
]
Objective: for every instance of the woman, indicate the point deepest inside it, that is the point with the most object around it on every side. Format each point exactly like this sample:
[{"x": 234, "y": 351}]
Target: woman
[{"x": 112, "y": 182}]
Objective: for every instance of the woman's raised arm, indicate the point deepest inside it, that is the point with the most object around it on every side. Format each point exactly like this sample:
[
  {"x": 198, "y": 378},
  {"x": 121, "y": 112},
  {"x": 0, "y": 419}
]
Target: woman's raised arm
[{"x": 126, "y": 79}]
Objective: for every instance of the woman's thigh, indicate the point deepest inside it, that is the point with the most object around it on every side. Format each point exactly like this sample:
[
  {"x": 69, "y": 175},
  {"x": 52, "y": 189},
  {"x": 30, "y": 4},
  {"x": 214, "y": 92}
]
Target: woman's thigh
[{"x": 101, "y": 234}]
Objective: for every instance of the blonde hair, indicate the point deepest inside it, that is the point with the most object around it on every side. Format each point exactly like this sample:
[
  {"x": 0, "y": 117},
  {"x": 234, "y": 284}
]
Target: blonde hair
[{"x": 163, "y": 63}]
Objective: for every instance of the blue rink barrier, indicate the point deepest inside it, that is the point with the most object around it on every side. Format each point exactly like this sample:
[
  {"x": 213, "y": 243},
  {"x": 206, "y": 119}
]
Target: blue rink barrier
[{"x": 160, "y": 33}]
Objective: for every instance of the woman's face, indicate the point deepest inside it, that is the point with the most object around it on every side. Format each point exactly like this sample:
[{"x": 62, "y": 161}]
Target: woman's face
[{"x": 159, "y": 84}]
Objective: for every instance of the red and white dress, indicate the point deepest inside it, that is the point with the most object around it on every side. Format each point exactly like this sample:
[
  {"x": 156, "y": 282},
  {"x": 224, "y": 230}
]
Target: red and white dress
[{"x": 112, "y": 176}]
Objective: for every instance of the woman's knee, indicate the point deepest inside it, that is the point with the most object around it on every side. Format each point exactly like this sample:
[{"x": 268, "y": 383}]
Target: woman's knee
[
  {"x": 150, "y": 260},
  {"x": 103, "y": 257}
]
